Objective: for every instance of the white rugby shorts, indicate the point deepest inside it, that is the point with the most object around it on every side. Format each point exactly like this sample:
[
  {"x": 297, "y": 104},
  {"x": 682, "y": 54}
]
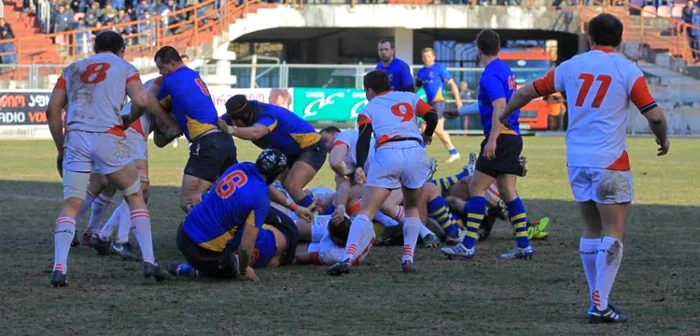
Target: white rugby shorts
[{"x": 601, "y": 185}]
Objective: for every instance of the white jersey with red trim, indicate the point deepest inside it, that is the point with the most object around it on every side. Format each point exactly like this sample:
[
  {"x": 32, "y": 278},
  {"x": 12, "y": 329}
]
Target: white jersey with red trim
[
  {"x": 393, "y": 115},
  {"x": 96, "y": 91},
  {"x": 349, "y": 139},
  {"x": 144, "y": 125},
  {"x": 599, "y": 86}
]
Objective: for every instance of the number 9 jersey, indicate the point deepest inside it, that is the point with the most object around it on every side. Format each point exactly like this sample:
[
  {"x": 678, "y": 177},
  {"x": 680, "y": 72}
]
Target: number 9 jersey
[
  {"x": 393, "y": 116},
  {"x": 239, "y": 197},
  {"x": 96, "y": 92}
]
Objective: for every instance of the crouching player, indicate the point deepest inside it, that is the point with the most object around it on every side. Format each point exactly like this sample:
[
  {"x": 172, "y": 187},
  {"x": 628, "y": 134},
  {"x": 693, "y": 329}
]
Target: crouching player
[{"x": 235, "y": 209}]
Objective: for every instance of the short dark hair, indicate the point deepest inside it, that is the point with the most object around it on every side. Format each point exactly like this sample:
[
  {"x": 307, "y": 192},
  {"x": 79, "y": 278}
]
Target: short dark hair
[
  {"x": 183, "y": 56},
  {"x": 330, "y": 129},
  {"x": 109, "y": 41},
  {"x": 488, "y": 42},
  {"x": 168, "y": 54},
  {"x": 387, "y": 40},
  {"x": 378, "y": 81},
  {"x": 605, "y": 30}
]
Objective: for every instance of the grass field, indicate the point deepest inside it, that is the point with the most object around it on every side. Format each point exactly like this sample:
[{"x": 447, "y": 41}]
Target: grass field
[{"x": 658, "y": 284}]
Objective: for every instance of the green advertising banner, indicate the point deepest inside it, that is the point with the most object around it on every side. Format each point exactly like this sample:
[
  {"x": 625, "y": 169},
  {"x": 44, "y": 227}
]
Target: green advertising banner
[{"x": 318, "y": 104}]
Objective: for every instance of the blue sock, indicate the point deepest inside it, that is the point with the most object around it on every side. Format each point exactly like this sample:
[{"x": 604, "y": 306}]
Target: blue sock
[
  {"x": 308, "y": 202},
  {"x": 518, "y": 217},
  {"x": 329, "y": 209},
  {"x": 439, "y": 212},
  {"x": 462, "y": 174},
  {"x": 475, "y": 210},
  {"x": 453, "y": 151}
]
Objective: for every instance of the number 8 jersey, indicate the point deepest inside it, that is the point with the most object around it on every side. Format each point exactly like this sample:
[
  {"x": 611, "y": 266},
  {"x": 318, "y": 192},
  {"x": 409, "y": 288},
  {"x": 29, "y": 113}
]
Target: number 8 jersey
[
  {"x": 393, "y": 116},
  {"x": 599, "y": 85},
  {"x": 96, "y": 91}
]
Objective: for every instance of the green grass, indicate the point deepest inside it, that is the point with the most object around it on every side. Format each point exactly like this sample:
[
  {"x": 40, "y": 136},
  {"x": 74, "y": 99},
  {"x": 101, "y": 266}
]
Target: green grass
[{"x": 658, "y": 285}]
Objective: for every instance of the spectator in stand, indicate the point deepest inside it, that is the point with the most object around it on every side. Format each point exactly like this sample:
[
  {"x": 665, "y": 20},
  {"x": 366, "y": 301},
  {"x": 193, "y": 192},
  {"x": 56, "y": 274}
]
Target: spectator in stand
[
  {"x": 695, "y": 21},
  {"x": 6, "y": 33},
  {"x": 123, "y": 17},
  {"x": 464, "y": 92},
  {"x": 688, "y": 18},
  {"x": 144, "y": 28},
  {"x": 90, "y": 19},
  {"x": 109, "y": 15},
  {"x": 144, "y": 6},
  {"x": 64, "y": 19},
  {"x": 83, "y": 39},
  {"x": 118, "y": 4},
  {"x": 95, "y": 10}
]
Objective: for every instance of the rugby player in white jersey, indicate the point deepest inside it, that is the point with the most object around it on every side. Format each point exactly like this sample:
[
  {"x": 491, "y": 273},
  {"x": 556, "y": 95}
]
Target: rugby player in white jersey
[
  {"x": 93, "y": 92},
  {"x": 600, "y": 85},
  {"x": 399, "y": 161}
]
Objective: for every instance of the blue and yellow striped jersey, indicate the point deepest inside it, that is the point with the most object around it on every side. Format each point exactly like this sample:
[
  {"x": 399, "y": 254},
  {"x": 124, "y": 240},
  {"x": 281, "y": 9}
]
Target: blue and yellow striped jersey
[
  {"x": 188, "y": 97},
  {"x": 288, "y": 132},
  {"x": 239, "y": 197}
]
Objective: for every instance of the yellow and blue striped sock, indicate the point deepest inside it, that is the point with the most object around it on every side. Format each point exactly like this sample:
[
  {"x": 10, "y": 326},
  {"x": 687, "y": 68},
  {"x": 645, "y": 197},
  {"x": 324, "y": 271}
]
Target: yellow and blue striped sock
[
  {"x": 518, "y": 217},
  {"x": 475, "y": 210},
  {"x": 445, "y": 183},
  {"x": 439, "y": 212}
]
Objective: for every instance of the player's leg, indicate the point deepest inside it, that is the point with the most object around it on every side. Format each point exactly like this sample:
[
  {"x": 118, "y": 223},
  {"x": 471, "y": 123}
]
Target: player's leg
[
  {"x": 613, "y": 195},
  {"x": 303, "y": 170},
  {"x": 76, "y": 175},
  {"x": 589, "y": 244},
  {"x": 95, "y": 187},
  {"x": 438, "y": 210},
  {"x": 517, "y": 216},
  {"x": 442, "y": 134},
  {"x": 112, "y": 160},
  {"x": 99, "y": 207},
  {"x": 121, "y": 246}
]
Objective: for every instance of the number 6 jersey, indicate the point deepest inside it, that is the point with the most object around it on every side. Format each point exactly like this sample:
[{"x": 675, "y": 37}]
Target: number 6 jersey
[
  {"x": 599, "y": 85},
  {"x": 96, "y": 91}
]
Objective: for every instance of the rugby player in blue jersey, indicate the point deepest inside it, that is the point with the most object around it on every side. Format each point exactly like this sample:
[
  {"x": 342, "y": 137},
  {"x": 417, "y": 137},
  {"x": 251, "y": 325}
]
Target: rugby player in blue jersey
[
  {"x": 185, "y": 93},
  {"x": 234, "y": 210},
  {"x": 270, "y": 126},
  {"x": 399, "y": 72}
]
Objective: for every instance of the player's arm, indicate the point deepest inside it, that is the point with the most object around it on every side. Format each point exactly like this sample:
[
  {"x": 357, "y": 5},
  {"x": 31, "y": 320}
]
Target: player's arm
[
  {"x": 646, "y": 104},
  {"x": 539, "y": 88},
  {"x": 336, "y": 157},
  {"x": 428, "y": 114},
  {"x": 250, "y": 233},
  {"x": 363, "y": 141},
  {"x": 261, "y": 128},
  {"x": 407, "y": 78},
  {"x": 164, "y": 122},
  {"x": 499, "y": 106},
  {"x": 447, "y": 78},
  {"x": 279, "y": 198},
  {"x": 53, "y": 115},
  {"x": 134, "y": 89}
]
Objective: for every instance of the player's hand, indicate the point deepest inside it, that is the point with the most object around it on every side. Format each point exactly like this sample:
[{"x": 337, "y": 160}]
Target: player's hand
[
  {"x": 663, "y": 147},
  {"x": 59, "y": 164},
  {"x": 304, "y": 213},
  {"x": 427, "y": 140},
  {"x": 338, "y": 215},
  {"x": 459, "y": 104},
  {"x": 450, "y": 114},
  {"x": 505, "y": 122},
  {"x": 360, "y": 176},
  {"x": 490, "y": 149},
  {"x": 226, "y": 128},
  {"x": 250, "y": 275}
]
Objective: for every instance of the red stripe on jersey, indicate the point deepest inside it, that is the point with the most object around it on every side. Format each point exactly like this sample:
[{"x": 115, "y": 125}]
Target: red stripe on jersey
[
  {"x": 605, "y": 50},
  {"x": 545, "y": 85},
  {"x": 117, "y": 130},
  {"x": 137, "y": 126},
  {"x": 158, "y": 80},
  {"x": 639, "y": 95},
  {"x": 384, "y": 138},
  {"x": 338, "y": 142},
  {"x": 423, "y": 108},
  {"x": 363, "y": 120},
  {"x": 134, "y": 77},
  {"x": 60, "y": 84},
  {"x": 622, "y": 163},
  {"x": 354, "y": 208}
]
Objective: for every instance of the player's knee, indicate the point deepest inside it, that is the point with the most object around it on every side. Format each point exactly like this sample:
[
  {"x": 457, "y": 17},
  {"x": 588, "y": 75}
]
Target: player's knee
[
  {"x": 74, "y": 185},
  {"x": 430, "y": 190},
  {"x": 132, "y": 189}
]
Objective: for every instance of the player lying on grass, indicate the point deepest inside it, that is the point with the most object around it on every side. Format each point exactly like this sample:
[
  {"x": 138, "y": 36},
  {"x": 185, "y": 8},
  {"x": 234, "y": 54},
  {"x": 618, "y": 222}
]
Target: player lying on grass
[
  {"x": 235, "y": 209},
  {"x": 275, "y": 245}
]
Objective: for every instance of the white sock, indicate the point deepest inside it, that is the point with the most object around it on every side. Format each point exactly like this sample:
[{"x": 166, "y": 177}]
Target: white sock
[
  {"x": 424, "y": 231},
  {"x": 607, "y": 265},
  {"x": 97, "y": 213},
  {"x": 110, "y": 228},
  {"x": 63, "y": 236},
  {"x": 411, "y": 229},
  {"x": 385, "y": 220},
  {"x": 141, "y": 225},
  {"x": 87, "y": 202},
  {"x": 124, "y": 224},
  {"x": 588, "y": 248},
  {"x": 359, "y": 226}
]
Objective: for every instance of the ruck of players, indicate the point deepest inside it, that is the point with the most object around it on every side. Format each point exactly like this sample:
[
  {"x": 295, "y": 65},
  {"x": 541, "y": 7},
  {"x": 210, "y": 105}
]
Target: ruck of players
[{"x": 240, "y": 216}]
